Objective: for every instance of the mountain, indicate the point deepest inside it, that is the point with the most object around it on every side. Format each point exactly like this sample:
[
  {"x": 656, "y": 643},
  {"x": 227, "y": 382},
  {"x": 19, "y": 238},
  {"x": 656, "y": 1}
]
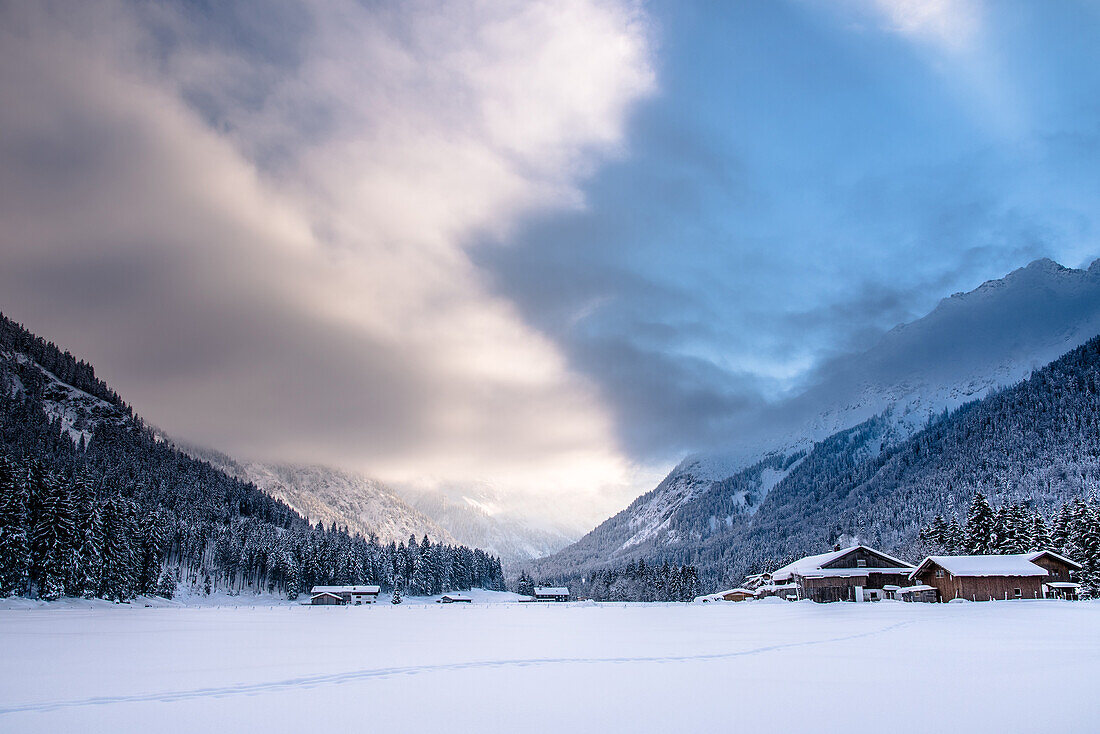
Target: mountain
[
  {"x": 971, "y": 345},
  {"x": 472, "y": 518},
  {"x": 94, "y": 503},
  {"x": 365, "y": 505},
  {"x": 328, "y": 495}
]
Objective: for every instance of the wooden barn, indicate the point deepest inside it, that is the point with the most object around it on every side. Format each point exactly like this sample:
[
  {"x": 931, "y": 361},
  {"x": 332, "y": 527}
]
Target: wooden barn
[
  {"x": 551, "y": 593},
  {"x": 984, "y": 578},
  {"x": 355, "y": 595},
  {"x": 326, "y": 599},
  {"x": 454, "y": 599},
  {"x": 858, "y": 573}
]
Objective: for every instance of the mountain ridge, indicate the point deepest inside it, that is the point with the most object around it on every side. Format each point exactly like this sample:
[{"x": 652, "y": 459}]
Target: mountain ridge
[{"x": 966, "y": 348}]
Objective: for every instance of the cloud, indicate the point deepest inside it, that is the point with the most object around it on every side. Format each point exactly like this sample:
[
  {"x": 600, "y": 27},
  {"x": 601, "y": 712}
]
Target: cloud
[
  {"x": 950, "y": 24},
  {"x": 259, "y": 234}
]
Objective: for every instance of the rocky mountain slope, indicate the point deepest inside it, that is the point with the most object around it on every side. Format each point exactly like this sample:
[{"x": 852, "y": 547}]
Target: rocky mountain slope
[{"x": 328, "y": 495}]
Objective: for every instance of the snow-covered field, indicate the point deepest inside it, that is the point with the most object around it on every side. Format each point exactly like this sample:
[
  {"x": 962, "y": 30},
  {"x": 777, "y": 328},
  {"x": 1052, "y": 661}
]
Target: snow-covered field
[{"x": 494, "y": 667}]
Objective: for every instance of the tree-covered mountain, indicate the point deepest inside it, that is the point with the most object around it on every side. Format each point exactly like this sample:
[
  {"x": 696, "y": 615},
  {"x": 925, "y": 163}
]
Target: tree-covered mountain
[
  {"x": 94, "y": 503},
  {"x": 883, "y": 477}
]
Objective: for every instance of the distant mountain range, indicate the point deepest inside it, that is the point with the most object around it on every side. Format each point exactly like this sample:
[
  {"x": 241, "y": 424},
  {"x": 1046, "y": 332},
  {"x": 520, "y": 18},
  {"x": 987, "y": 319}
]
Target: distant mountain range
[
  {"x": 716, "y": 509},
  {"x": 364, "y": 505},
  {"x": 327, "y": 495}
]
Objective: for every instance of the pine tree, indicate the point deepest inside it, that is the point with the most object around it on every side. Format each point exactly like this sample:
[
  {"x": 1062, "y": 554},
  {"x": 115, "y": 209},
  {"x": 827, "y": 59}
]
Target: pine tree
[
  {"x": 52, "y": 532},
  {"x": 91, "y": 551},
  {"x": 955, "y": 540},
  {"x": 979, "y": 526},
  {"x": 14, "y": 544},
  {"x": 1039, "y": 536},
  {"x": 119, "y": 565},
  {"x": 524, "y": 585},
  {"x": 166, "y": 585},
  {"x": 396, "y": 598}
]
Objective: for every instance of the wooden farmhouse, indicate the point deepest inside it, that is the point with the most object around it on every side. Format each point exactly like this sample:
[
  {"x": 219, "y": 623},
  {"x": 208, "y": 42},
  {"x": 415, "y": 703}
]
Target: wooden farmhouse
[
  {"x": 454, "y": 599},
  {"x": 858, "y": 573},
  {"x": 348, "y": 594},
  {"x": 1037, "y": 575},
  {"x": 551, "y": 593}
]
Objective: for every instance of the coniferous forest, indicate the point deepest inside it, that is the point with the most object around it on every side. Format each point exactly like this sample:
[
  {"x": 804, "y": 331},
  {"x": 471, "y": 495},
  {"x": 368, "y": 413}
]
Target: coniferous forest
[{"x": 93, "y": 503}]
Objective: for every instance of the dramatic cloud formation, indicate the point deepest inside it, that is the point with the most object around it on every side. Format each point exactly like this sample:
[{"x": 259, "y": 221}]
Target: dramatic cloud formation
[
  {"x": 257, "y": 231},
  {"x": 544, "y": 247}
]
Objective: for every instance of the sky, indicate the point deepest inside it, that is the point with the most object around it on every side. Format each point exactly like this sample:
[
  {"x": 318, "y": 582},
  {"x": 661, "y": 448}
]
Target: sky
[{"x": 545, "y": 249}]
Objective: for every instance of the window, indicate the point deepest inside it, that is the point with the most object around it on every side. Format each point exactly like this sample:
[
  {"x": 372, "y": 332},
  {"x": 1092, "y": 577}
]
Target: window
[
  {"x": 861, "y": 563},
  {"x": 1018, "y": 593},
  {"x": 939, "y": 573}
]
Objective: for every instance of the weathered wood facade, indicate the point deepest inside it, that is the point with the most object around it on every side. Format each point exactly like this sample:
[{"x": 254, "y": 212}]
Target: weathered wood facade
[
  {"x": 858, "y": 573},
  {"x": 994, "y": 577},
  {"x": 326, "y": 599}
]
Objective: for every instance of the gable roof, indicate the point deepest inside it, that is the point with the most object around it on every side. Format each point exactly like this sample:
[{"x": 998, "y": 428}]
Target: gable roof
[
  {"x": 551, "y": 591},
  {"x": 326, "y": 593},
  {"x": 811, "y": 564},
  {"x": 1018, "y": 564},
  {"x": 346, "y": 589},
  {"x": 1037, "y": 554}
]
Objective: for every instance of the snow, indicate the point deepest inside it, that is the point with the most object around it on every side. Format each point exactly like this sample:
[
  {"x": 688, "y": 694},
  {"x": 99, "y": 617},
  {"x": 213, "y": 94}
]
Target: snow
[
  {"x": 597, "y": 667},
  {"x": 1007, "y": 565},
  {"x": 345, "y": 589},
  {"x": 551, "y": 591}
]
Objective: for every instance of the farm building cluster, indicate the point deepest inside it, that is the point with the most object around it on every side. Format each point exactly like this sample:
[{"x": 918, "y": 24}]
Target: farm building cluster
[
  {"x": 860, "y": 573},
  {"x": 355, "y": 595}
]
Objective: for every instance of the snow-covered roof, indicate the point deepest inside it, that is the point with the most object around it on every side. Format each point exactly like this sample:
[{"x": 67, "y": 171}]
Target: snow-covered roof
[
  {"x": 1018, "y": 564},
  {"x": 1063, "y": 585},
  {"x": 774, "y": 587},
  {"x": 456, "y": 597},
  {"x": 346, "y": 589},
  {"x": 1052, "y": 554},
  {"x": 918, "y": 587},
  {"x": 826, "y": 573},
  {"x": 325, "y": 593},
  {"x": 803, "y": 566},
  {"x": 738, "y": 590},
  {"x": 551, "y": 591},
  {"x": 890, "y": 587}
]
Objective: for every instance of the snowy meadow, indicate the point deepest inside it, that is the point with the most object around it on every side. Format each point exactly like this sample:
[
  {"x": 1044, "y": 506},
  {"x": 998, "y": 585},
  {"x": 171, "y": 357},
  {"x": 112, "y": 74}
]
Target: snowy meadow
[{"x": 495, "y": 666}]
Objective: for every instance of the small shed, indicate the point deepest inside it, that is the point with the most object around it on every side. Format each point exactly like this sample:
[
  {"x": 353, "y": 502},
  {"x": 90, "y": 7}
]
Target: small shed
[
  {"x": 920, "y": 593},
  {"x": 454, "y": 599},
  {"x": 551, "y": 593},
  {"x": 326, "y": 598},
  {"x": 1061, "y": 590}
]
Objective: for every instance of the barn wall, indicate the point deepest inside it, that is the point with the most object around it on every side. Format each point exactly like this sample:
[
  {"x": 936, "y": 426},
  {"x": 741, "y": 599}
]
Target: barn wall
[{"x": 982, "y": 588}]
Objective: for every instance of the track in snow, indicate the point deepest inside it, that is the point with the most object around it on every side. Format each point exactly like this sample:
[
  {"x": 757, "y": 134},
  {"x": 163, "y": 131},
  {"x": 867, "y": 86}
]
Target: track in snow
[{"x": 381, "y": 673}]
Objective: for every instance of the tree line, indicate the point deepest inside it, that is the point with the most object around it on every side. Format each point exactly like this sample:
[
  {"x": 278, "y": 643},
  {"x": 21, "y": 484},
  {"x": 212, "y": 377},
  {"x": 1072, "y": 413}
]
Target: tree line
[
  {"x": 632, "y": 582},
  {"x": 1073, "y": 531}
]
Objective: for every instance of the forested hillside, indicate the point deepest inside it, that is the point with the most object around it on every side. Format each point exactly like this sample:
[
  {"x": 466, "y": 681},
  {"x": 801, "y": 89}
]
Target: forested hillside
[
  {"x": 92, "y": 503},
  {"x": 1036, "y": 444}
]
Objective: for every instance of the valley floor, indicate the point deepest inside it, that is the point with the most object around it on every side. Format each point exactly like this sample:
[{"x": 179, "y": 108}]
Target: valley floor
[{"x": 506, "y": 667}]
